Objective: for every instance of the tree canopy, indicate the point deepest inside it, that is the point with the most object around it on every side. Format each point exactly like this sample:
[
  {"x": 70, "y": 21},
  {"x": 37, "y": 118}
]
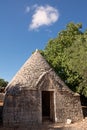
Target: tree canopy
[
  {"x": 3, "y": 84},
  {"x": 67, "y": 54}
]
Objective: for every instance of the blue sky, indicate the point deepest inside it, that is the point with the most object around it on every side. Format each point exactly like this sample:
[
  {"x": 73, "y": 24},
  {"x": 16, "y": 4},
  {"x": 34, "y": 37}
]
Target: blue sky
[{"x": 27, "y": 25}]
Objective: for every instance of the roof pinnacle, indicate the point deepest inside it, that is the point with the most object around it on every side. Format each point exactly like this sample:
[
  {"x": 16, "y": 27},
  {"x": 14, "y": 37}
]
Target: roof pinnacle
[{"x": 36, "y": 50}]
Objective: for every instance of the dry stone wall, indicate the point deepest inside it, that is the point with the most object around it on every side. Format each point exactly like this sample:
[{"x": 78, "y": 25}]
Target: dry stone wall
[
  {"x": 68, "y": 107},
  {"x": 23, "y": 108}
]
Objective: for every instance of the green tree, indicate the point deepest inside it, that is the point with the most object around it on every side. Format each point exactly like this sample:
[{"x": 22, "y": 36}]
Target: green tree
[
  {"x": 67, "y": 54},
  {"x": 76, "y": 60},
  {"x": 3, "y": 84}
]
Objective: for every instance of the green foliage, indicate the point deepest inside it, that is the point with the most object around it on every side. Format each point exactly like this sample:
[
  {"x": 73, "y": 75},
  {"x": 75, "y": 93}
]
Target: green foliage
[
  {"x": 67, "y": 54},
  {"x": 3, "y": 84}
]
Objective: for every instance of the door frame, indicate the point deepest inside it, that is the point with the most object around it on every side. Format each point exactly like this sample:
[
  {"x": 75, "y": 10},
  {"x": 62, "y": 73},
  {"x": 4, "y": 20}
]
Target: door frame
[{"x": 52, "y": 105}]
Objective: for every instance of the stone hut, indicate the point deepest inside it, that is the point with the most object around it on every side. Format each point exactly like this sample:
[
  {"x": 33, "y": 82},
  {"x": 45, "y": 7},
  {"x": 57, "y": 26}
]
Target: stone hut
[{"x": 36, "y": 94}]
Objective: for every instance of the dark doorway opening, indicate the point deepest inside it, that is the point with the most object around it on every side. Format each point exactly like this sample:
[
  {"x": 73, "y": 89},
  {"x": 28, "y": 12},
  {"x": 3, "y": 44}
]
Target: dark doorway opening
[
  {"x": 46, "y": 104},
  {"x": 1, "y": 112},
  {"x": 84, "y": 105},
  {"x": 48, "y": 113}
]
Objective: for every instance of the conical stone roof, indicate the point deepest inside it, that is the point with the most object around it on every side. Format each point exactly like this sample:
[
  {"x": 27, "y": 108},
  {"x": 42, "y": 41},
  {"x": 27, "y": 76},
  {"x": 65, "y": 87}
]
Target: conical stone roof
[{"x": 29, "y": 73}]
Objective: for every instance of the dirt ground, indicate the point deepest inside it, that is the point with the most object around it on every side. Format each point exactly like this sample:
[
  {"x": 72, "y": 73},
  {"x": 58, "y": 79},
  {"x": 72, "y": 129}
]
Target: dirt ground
[{"x": 81, "y": 125}]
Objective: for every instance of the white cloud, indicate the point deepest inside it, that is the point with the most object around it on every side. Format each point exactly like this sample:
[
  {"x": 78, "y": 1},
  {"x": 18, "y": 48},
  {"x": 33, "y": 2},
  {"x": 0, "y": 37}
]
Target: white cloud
[{"x": 43, "y": 15}]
